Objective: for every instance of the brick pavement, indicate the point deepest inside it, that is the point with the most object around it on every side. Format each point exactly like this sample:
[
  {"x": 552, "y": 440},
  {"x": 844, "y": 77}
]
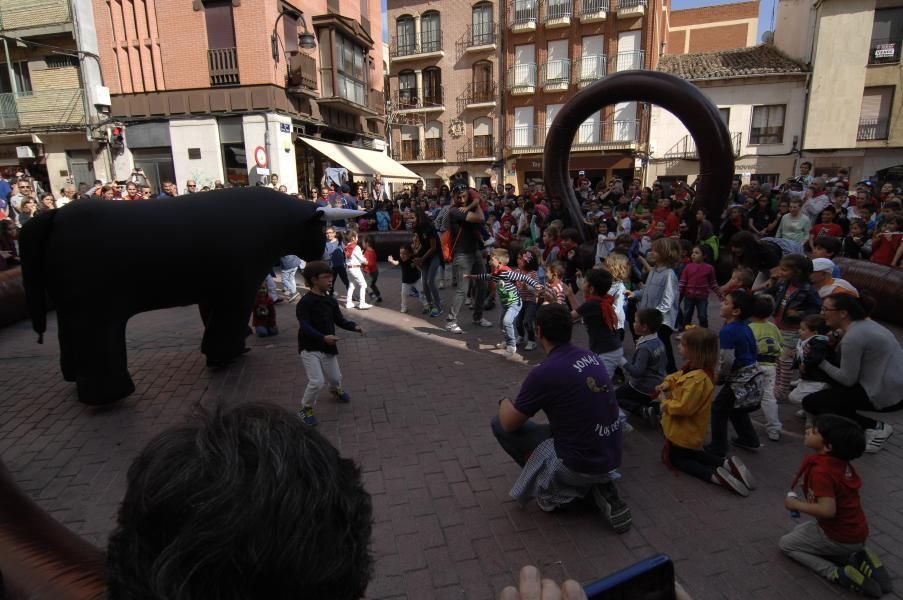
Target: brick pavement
[{"x": 418, "y": 425}]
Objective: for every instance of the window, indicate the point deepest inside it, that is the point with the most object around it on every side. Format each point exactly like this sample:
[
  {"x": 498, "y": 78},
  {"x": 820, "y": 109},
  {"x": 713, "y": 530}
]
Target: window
[
  {"x": 22, "y": 75},
  {"x": 481, "y": 22},
  {"x": 483, "y": 86},
  {"x": 887, "y": 32},
  {"x": 482, "y": 138},
  {"x": 874, "y": 116},
  {"x": 407, "y": 88},
  {"x": 410, "y": 143},
  {"x": 432, "y": 86},
  {"x": 767, "y": 124},
  {"x": 220, "y": 27},
  {"x": 430, "y": 32},
  {"x": 725, "y": 116},
  {"x": 405, "y": 39},
  {"x": 352, "y": 71},
  {"x": 432, "y": 134}
]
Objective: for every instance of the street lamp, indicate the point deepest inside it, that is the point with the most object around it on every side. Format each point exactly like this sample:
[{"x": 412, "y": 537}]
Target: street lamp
[{"x": 306, "y": 40}]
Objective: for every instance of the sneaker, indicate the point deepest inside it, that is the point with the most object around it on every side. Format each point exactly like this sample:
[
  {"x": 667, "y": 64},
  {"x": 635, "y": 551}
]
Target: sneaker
[
  {"x": 342, "y": 396},
  {"x": 510, "y": 351},
  {"x": 364, "y": 306},
  {"x": 545, "y": 505},
  {"x": 435, "y": 311},
  {"x": 530, "y": 346},
  {"x": 403, "y": 309},
  {"x": 867, "y": 562},
  {"x": 468, "y": 302},
  {"x": 615, "y": 510},
  {"x": 652, "y": 415},
  {"x": 800, "y": 413},
  {"x": 875, "y": 438},
  {"x": 483, "y": 323},
  {"x": 453, "y": 328},
  {"x": 307, "y": 415},
  {"x": 852, "y": 579},
  {"x": 745, "y": 445},
  {"x": 725, "y": 479},
  {"x": 774, "y": 435},
  {"x": 426, "y": 309},
  {"x": 501, "y": 345},
  {"x": 739, "y": 470},
  {"x": 349, "y": 306}
]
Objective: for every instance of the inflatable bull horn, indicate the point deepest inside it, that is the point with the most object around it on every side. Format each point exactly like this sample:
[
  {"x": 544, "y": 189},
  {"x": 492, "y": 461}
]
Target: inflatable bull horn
[{"x": 683, "y": 99}]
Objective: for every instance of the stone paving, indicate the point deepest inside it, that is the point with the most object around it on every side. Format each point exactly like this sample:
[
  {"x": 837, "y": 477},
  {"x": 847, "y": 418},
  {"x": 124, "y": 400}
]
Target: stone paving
[{"x": 445, "y": 526}]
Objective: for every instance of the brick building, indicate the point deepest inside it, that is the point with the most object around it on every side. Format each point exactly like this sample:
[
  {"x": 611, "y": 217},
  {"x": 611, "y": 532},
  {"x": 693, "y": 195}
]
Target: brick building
[
  {"x": 554, "y": 48},
  {"x": 443, "y": 75},
  {"x": 206, "y": 87},
  {"x": 49, "y": 93},
  {"x": 712, "y": 28}
]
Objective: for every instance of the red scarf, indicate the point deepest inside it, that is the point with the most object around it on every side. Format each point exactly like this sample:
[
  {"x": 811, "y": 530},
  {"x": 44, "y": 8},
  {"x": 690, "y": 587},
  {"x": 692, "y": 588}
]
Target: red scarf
[
  {"x": 349, "y": 249},
  {"x": 607, "y": 304}
]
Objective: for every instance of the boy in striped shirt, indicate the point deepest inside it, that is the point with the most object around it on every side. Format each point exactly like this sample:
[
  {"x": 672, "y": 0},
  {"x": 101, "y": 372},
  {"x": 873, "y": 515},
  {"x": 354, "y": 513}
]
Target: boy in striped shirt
[{"x": 506, "y": 279}]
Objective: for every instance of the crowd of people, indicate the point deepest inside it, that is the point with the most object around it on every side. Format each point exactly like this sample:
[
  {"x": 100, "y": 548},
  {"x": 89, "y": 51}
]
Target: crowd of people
[{"x": 792, "y": 330}]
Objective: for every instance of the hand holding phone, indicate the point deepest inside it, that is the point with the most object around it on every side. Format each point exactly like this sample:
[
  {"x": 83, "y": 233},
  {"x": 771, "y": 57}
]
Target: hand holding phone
[{"x": 650, "y": 579}]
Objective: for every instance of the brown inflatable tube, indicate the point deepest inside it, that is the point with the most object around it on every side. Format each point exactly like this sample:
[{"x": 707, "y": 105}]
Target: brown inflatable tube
[
  {"x": 884, "y": 283},
  {"x": 683, "y": 99},
  {"x": 39, "y": 558}
]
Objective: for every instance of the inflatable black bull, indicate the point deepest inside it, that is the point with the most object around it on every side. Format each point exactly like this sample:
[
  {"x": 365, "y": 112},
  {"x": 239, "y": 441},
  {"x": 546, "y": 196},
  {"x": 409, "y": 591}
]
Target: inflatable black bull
[
  {"x": 102, "y": 262},
  {"x": 683, "y": 99}
]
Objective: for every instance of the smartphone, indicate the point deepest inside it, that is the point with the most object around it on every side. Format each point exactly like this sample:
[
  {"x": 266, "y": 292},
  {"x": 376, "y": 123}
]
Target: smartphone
[{"x": 650, "y": 579}]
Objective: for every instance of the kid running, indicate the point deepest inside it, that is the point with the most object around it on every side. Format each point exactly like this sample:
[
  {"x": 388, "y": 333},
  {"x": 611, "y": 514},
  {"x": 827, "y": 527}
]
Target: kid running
[{"x": 318, "y": 313}]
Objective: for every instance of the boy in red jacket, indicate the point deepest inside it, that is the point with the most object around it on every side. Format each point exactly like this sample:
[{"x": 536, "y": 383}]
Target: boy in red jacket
[
  {"x": 263, "y": 318},
  {"x": 834, "y": 544}
]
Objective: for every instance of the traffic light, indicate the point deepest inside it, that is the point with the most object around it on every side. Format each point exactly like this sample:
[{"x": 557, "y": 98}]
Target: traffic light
[{"x": 116, "y": 135}]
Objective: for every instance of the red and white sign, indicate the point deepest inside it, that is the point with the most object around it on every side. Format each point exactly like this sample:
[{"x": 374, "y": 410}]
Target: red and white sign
[{"x": 260, "y": 157}]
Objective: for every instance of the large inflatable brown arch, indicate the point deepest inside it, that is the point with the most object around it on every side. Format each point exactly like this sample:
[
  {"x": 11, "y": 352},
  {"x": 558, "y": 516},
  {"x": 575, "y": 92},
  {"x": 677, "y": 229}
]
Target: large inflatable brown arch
[{"x": 695, "y": 111}]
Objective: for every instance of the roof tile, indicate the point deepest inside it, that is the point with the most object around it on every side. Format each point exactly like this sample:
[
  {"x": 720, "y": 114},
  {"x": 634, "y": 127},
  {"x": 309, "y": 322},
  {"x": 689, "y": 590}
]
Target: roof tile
[{"x": 763, "y": 59}]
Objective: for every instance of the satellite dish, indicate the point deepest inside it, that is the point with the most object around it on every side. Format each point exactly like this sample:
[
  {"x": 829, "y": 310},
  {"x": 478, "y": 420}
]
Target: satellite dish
[{"x": 768, "y": 38}]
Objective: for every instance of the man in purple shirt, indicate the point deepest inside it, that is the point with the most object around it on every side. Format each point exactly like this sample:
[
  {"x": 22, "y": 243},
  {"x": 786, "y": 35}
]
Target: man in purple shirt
[{"x": 578, "y": 452}]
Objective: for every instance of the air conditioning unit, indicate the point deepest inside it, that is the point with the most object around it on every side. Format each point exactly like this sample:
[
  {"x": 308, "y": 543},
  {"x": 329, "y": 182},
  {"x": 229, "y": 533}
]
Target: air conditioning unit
[{"x": 24, "y": 152}]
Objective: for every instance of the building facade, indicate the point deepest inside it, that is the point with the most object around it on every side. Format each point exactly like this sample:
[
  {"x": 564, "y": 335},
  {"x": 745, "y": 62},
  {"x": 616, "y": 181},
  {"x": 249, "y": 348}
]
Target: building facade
[
  {"x": 712, "y": 28},
  {"x": 445, "y": 97},
  {"x": 853, "y": 113},
  {"x": 552, "y": 49},
  {"x": 761, "y": 95},
  {"x": 51, "y": 95},
  {"x": 238, "y": 91}
]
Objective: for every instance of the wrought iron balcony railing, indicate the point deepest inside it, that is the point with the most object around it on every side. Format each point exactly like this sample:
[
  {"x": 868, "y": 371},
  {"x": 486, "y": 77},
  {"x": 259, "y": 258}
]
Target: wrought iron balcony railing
[
  {"x": 412, "y": 45},
  {"x": 555, "y": 74},
  {"x": 522, "y": 77},
  {"x": 686, "y": 147},
  {"x": 626, "y": 61},
  {"x": 409, "y": 98},
  {"x": 872, "y": 129},
  {"x": 523, "y": 14},
  {"x": 599, "y": 134},
  {"x": 590, "y": 67}
]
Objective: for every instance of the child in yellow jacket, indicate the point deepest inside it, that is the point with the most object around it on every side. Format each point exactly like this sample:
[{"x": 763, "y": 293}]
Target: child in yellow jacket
[{"x": 686, "y": 398}]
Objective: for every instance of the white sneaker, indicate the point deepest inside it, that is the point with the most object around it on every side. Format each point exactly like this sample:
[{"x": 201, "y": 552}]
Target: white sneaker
[
  {"x": 875, "y": 438},
  {"x": 483, "y": 323},
  {"x": 349, "y": 306},
  {"x": 453, "y": 328},
  {"x": 510, "y": 351},
  {"x": 403, "y": 309},
  {"x": 468, "y": 302},
  {"x": 530, "y": 346},
  {"x": 364, "y": 306}
]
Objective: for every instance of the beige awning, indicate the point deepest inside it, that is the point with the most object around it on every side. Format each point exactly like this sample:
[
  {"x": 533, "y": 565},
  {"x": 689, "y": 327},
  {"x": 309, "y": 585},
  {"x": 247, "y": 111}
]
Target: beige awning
[{"x": 361, "y": 162}]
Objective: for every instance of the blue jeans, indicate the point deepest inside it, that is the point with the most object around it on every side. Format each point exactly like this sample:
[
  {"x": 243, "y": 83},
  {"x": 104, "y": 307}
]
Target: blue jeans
[
  {"x": 506, "y": 322},
  {"x": 430, "y": 288},
  {"x": 526, "y": 321},
  {"x": 290, "y": 266},
  {"x": 702, "y": 309},
  {"x": 470, "y": 263},
  {"x": 520, "y": 443}
]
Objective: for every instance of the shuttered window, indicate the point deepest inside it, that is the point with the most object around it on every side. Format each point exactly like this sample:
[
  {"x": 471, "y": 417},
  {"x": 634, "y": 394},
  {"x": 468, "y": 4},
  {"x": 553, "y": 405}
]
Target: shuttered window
[
  {"x": 767, "y": 124},
  {"x": 874, "y": 116}
]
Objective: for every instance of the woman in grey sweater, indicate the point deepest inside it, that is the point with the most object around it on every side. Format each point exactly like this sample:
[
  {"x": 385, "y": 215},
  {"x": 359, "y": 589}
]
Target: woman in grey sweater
[{"x": 870, "y": 375}]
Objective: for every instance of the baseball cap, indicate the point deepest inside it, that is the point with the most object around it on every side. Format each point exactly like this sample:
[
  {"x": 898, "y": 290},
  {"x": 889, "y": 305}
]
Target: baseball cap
[
  {"x": 822, "y": 264},
  {"x": 459, "y": 188}
]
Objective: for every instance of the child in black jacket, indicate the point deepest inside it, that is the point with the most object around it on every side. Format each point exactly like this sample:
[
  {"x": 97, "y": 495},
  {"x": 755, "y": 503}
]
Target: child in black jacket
[{"x": 318, "y": 313}]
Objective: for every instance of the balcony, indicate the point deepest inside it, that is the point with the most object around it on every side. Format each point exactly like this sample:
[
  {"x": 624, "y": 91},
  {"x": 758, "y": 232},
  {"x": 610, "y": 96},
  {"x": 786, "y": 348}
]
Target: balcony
[
  {"x": 523, "y": 15},
  {"x": 872, "y": 129},
  {"x": 555, "y": 75},
  {"x": 686, "y": 147},
  {"x": 558, "y": 13},
  {"x": 522, "y": 79},
  {"x": 50, "y": 110},
  {"x": 223, "y": 65},
  {"x": 478, "y": 94},
  {"x": 481, "y": 149},
  {"x": 627, "y": 61},
  {"x": 609, "y": 135},
  {"x": 35, "y": 17},
  {"x": 631, "y": 8},
  {"x": 883, "y": 51},
  {"x": 593, "y": 11},
  {"x": 408, "y": 100},
  {"x": 302, "y": 75},
  {"x": 478, "y": 39},
  {"x": 432, "y": 151},
  {"x": 590, "y": 68},
  {"x": 345, "y": 94},
  {"x": 407, "y": 47}
]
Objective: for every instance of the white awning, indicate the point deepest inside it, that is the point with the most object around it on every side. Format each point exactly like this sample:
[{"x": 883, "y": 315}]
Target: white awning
[{"x": 361, "y": 162}]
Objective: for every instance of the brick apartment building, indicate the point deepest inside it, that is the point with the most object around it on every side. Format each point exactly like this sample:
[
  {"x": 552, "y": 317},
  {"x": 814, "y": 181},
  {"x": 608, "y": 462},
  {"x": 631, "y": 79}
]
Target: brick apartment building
[
  {"x": 554, "y": 48},
  {"x": 712, "y": 28},
  {"x": 49, "y": 93},
  {"x": 206, "y": 87},
  {"x": 443, "y": 77}
]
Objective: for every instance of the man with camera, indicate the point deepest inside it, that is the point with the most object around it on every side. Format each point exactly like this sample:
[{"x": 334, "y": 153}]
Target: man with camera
[{"x": 465, "y": 219}]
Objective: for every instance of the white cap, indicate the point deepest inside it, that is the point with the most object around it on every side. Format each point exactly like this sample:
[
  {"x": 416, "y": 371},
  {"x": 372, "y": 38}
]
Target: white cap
[{"x": 822, "y": 264}]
